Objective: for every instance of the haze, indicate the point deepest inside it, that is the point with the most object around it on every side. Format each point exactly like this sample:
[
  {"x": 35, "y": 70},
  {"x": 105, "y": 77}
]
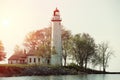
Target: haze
[{"x": 99, "y": 18}]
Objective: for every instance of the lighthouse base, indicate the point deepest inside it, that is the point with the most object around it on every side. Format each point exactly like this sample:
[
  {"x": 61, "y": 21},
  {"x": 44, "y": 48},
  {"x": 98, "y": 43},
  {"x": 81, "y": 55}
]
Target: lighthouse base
[{"x": 56, "y": 60}]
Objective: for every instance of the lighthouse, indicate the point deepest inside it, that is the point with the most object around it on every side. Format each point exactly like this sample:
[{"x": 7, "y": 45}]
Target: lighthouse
[{"x": 56, "y": 42}]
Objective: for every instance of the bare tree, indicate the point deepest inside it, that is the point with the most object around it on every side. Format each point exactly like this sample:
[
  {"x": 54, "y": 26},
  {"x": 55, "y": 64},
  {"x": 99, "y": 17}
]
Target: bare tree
[{"x": 104, "y": 53}]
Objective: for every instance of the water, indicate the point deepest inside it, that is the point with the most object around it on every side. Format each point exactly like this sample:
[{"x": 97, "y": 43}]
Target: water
[{"x": 67, "y": 77}]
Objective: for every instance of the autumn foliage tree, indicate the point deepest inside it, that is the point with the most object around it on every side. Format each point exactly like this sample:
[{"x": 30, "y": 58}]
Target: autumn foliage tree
[
  {"x": 18, "y": 50},
  {"x": 36, "y": 38},
  {"x": 39, "y": 42},
  {"x": 2, "y": 53}
]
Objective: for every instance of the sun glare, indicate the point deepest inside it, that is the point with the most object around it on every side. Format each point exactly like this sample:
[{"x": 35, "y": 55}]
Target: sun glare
[{"x": 6, "y": 23}]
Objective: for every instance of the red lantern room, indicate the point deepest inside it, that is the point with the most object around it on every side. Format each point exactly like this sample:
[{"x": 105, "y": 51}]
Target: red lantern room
[
  {"x": 56, "y": 12},
  {"x": 56, "y": 15}
]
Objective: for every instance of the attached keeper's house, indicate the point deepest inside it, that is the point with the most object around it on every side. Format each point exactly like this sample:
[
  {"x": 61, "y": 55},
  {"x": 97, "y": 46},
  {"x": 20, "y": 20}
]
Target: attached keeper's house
[{"x": 28, "y": 58}]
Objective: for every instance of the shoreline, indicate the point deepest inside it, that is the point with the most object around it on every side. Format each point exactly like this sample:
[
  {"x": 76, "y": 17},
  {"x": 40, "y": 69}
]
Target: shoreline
[{"x": 11, "y": 71}]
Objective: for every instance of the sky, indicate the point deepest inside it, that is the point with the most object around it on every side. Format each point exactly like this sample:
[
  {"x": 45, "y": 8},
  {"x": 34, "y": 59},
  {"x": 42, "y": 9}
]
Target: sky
[{"x": 99, "y": 18}]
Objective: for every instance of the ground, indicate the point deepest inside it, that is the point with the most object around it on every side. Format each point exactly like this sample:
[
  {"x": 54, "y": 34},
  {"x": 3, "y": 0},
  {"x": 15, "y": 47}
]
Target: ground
[{"x": 9, "y": 70}]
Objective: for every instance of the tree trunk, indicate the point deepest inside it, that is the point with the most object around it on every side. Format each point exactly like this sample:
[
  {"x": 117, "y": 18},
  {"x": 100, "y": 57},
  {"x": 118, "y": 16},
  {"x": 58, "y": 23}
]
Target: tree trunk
[
  {"x": 103, "y": 62},
  {"x": 85, "y": 64},
  {"x": 100, "y": 67},
  {"x": 81, "y": 64},
  {"x": 65, "y": 57},
  {"x": 104, "y": 70},
  {"x": 64, "y": 62}
]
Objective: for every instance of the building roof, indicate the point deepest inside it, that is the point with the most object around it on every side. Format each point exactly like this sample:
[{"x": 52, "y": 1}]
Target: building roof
[
  {"x": 17, "y": 57},
  {"x": 14, "y": 57},
  {"x": 30, "y": 54},
  {"x": 21, "y": 56}
]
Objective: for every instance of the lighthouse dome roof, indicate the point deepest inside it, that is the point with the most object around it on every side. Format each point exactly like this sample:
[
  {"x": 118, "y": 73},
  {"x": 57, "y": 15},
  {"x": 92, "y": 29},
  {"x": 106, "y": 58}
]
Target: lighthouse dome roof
[{"x": 56, "y": 10}]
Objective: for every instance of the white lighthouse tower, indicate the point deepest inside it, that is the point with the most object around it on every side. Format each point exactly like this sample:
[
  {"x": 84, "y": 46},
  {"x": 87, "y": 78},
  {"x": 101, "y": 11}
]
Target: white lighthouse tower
[{"x": 56, "y": 42}]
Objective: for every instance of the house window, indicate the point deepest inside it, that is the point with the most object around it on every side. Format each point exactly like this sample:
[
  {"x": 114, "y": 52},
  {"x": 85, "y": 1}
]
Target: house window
[
  {"x": 34, "y": 59},
  {"x": 38, "y": 59},
  {"x": 30, "y": 60},
  {"x": 48, "y": 61}
]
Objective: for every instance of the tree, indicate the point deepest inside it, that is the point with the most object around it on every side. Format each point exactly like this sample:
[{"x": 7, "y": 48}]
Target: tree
[
  {"x": 97, "y": 60},
  {"x": 30, "y": 41},
  {"x": 18, "y": 50},
  {"x": 84, "y": 49},
  {"x": 2, "y": 53},
  {"x": 66, "y": 44},
  {"x": 44, "y": 42},
  {"x": 36, "y": 38},
  {"x": 104, "y": 54},
  {"x": 39, "y": 42}
]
